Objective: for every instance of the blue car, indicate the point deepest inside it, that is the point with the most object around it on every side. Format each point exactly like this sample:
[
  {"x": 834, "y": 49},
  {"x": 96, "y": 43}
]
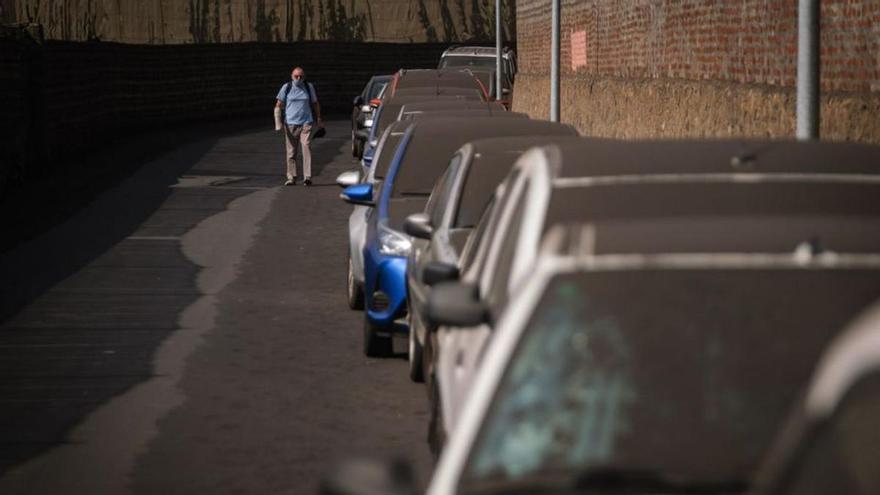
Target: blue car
[
  {"x": 425, "y": 151},
  {"x": 384, "y": 254}
]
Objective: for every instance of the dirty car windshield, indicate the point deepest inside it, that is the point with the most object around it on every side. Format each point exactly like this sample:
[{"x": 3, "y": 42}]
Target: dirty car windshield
[{"x": 693, "y": 382}]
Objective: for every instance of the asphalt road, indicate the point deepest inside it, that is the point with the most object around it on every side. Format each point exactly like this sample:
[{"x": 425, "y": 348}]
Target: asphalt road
[{"x": 187, "y": 332}]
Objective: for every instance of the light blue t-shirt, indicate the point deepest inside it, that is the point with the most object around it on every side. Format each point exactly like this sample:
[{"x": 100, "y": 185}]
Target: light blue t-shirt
[{"x": 297, "y": 110}]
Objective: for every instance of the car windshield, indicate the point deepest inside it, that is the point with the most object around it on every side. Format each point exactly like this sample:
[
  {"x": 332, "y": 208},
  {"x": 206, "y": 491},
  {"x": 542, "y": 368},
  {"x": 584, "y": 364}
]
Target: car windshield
[
  {"x": 690, "y": 384},
  {"x": 375, "y": 89}
]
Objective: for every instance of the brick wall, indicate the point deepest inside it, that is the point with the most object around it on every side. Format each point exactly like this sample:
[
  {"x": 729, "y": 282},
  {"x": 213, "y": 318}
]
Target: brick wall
[
  {"x": 61, "y": 99},
  {"x": 697, "y": 55}
]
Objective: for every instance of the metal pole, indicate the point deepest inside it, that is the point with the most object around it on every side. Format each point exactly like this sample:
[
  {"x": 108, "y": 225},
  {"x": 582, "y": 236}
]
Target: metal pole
[
  {"x": 498, "y": 91},
  {"x": 808, "y": 70},
  {"x": 554, "y": 64}
]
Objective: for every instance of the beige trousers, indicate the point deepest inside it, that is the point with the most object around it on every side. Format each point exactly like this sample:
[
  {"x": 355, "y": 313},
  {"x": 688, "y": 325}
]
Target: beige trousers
[{"x": 294, "y": 137}]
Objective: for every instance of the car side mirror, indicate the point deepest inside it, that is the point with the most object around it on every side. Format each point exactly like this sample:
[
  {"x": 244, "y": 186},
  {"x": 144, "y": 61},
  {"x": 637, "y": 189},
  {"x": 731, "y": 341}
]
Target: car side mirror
[
  {"x": 350, "y": 178},
  {"x": 455, "y": 304},
  {"x": 436, "y": 271},
  {"x": 358, "y": 101},
  {"x": 358, "y": 194},
  {"x": 418, "y": 225},
  {"x": 369, "y": 477}
]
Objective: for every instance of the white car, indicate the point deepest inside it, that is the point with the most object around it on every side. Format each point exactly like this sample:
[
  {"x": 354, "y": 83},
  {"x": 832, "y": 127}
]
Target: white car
[
  {"x": 645, "y": 197},
  {"x": 654, "y": 372},
  {"x": 657, "y": 373}
]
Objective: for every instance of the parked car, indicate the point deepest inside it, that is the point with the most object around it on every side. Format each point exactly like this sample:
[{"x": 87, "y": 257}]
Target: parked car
[
  {"x": 454, "y": 207},
  {"x": 357, "y": 221},
  {"x": 385, "y": 151},
  {"x": 479, "y": 58},
  {"x": 389, "y": 112},
  {"x": 603, "y": 360},
  {"x": 830, "y": 442},
  {"x": 598, "y": 181},
  {"x": 470, "y": 93},
  {"x": 582, "y": 385},
  {"x": 421, "y": 157},
  {"x": 438, "y": 78},
  {"x": 448, "y": 105},
  {"x": 362, "y": 112}
]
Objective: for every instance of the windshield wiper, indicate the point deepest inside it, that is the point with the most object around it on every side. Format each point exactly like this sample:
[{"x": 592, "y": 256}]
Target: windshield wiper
[{"x": 618, "y": 480}]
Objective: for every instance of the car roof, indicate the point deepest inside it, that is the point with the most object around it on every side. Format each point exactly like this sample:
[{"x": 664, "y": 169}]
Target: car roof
[
  {"x": 714, "y": 155},
  {"x": 453, "y": 77},
  {"x": 465, "y": 112},
  {"x": 472, "y": 92},
  {"x": 390, "y": 108},
  {"x": 478, "y": 51},
  {"x": 430, "y": 105},
  {"x": 434, "y": 141},
  {"x": 728, "y": 216}
]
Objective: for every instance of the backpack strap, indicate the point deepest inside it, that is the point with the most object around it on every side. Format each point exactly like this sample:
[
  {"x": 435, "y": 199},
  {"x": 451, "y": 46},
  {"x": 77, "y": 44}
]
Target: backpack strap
[{"x": 311, "y": 103}]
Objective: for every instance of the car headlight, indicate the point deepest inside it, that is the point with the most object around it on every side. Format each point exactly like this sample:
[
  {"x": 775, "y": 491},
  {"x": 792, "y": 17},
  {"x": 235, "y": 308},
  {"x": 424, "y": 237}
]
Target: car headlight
[
  {"x": 393, "y": 243},
  {"x": 368, "y": 123}
]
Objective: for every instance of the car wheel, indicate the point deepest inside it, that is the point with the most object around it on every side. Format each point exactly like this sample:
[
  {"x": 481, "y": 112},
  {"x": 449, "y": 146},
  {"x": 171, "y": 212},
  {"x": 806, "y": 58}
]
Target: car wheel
[
  {"x": 358, "y": 149},
  {"x": 355, "y": 290},
  {"x": 375, "y": 345},
  {"x": 436, "y": 430},
  {"x": 354, "y": 145},
  {"x": 415, "y": 356}
]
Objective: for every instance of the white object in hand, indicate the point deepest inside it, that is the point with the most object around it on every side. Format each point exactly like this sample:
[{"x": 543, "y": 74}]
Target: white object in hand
[{"x": 278, "y": 123}]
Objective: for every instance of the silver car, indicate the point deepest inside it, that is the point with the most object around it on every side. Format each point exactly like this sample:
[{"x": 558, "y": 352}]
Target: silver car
[{"x": 596, "y": 181}]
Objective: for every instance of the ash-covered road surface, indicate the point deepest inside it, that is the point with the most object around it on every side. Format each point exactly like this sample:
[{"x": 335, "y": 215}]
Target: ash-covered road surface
[{"x": 187, "y": 332}]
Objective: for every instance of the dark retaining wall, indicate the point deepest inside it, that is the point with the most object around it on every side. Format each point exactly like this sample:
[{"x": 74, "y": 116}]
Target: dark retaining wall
[{"x": 61, "y": 99}]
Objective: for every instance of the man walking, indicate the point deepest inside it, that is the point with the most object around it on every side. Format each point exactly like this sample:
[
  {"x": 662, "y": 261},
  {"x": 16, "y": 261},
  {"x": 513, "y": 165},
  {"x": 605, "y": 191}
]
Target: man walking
[{"x": 302, "y": 111}]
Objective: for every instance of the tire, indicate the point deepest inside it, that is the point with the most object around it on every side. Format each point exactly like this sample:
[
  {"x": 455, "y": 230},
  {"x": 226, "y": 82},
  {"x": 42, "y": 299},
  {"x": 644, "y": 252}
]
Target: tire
[
  {"x": 354, "y": 146},
  {"x": 436, "y": 430},
  {"x": 354, "y": 290},
  {"x": 374, "y": 345},
  {"x": 358, "y": 150},
  {"x": 415, "y": 357}
]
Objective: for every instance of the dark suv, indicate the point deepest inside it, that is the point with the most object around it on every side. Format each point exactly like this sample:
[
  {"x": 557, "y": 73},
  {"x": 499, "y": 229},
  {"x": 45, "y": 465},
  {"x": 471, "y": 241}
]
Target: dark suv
[{"x": 362, "y": 112}]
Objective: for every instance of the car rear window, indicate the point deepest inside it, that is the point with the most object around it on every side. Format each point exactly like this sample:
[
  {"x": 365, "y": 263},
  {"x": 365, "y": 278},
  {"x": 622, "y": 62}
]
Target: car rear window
[
  {"x": 479, "y": 184},
  {"x": 614, "y": 365}
]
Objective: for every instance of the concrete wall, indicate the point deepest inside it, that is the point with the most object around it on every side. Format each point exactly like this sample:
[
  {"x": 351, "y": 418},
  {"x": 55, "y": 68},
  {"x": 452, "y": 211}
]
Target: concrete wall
[
  {"x": 216, "y": 21},
  {"x": 61, "y": 99},
  {"x": 666, "y": 68}
]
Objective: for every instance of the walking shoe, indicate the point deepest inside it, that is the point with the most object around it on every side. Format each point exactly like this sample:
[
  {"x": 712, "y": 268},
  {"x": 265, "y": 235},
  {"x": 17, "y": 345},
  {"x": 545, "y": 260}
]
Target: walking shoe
[
  {"x": 307, "y": 181},
  {"x": 290, "y": 182}
]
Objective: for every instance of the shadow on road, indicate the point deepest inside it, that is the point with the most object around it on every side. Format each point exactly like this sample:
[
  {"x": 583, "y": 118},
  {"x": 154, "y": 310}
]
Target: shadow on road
[{"x": 92, "y": 280}]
